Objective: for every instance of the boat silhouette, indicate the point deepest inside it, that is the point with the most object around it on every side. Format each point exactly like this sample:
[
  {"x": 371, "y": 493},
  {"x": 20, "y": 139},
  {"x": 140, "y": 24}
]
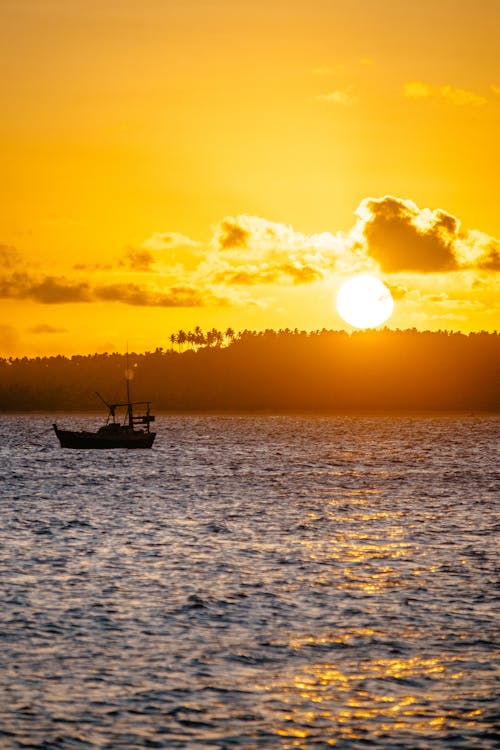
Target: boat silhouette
[{"x": 132, "y": 432}]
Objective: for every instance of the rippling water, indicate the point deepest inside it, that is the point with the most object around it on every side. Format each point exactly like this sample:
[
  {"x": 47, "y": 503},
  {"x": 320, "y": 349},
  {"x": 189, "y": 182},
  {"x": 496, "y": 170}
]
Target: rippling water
[{"x": 273, "y": 582}]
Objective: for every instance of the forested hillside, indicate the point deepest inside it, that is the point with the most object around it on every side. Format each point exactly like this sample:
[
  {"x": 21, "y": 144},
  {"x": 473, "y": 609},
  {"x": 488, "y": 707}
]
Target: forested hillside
[{"x": 323, "y": 371}]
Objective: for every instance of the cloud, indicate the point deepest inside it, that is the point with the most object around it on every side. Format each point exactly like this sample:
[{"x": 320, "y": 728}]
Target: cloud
[
  {"x": 490, "y": 259},
  {"x": 43, "y": 328},
  {"x": 461, "y": 97},
  {"x": 177, "y": 296},
  {"x": 57, "y": 291},
  {"x": 53, "y": 291},
  {"x": 169, "y": 241},
  {"x": 324, "y": 70},
  {"x": 338, "y": 97},
  {"x": 254, "y": 236},
  {"x": 401, "y": 237},
  {"x": 49, "y": 290},
  {"x": 10, "y": 257},
  {"x": 398, "y": 291},
  {"x": 277, "y": 274},
  {"x": 391, "y": 235},
  {"x": 232, "y": 234},
  {"x": 250, "y": 251},
  {"x": 93, "y": 267},
  {"x": 140, "y": 260},
  {"x": 418, "y": 90}
]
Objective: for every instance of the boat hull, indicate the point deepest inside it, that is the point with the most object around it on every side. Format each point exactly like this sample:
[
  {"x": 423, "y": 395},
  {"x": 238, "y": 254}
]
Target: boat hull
[{"x": 94, "y": 440}]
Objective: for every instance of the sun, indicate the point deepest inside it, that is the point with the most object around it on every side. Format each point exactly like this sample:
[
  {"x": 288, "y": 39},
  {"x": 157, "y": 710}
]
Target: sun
[{"x": 364, "y": 301}]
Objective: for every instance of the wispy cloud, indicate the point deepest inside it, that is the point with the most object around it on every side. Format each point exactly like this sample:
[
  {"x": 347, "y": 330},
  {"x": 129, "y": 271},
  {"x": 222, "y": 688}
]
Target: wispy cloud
[
  {"x": 342, "y": 98},
  {"x": 462, "y": 97},
  {"x": 45, "y": 328},
  {"x": 169, "y": 241},
  {"x": 418, "y": 90}
]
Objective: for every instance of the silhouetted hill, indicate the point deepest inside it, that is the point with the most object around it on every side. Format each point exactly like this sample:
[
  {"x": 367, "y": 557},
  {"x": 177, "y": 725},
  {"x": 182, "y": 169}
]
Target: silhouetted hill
[{"x": 323, "y": 371}]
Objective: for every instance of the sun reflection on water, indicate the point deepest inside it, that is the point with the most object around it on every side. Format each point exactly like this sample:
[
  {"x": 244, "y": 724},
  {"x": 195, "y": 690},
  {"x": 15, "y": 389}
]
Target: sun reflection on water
[
  {"x": 347, "y": 705},
  {"x": 371, "y": 697}
]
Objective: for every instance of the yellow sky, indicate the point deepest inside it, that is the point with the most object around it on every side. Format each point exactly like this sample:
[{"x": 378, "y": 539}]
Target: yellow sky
[{"x": 224, "y": 163}]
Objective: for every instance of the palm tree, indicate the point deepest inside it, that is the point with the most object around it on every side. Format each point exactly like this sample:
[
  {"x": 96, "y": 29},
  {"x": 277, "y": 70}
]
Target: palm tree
[
  {"x": 211, "y": 337},
  {"x": 199, "y": 336},
  {"x": 229, "y": 334},
  {"x": 173, "y": 339},
  {"x": 214, "y": 337},
  {"x": 181, "y": 338}
]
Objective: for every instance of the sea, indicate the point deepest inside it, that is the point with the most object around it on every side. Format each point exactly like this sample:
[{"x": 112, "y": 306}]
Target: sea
[{"x": 252, "y": 582}]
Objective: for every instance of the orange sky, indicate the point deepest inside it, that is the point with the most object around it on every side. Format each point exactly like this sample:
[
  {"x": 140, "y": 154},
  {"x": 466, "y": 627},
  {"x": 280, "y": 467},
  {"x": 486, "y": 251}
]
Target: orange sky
[{"x": 169, "y": 165}]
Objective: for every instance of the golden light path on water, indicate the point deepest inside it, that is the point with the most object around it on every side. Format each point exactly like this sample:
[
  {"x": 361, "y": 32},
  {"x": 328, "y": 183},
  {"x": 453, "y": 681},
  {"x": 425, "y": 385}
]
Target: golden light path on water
[
  {"x": 322, "y": 695},
  {"x": 350, "y": 700}
]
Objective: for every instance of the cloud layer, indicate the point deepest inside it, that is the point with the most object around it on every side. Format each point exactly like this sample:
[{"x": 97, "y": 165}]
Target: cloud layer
[{"x": 391, "y": 236}]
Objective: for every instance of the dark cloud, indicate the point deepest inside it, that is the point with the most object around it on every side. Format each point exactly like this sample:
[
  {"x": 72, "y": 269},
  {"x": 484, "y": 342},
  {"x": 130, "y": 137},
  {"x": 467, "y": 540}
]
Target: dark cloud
[
  {"x": 45, "y": 328},
  {"x": 140, "y": 260},
  {"x": 132, "y": 294},
  {"x": 490, "y": 261},
  {"x": 10, "y": 257},
  {"x": 93, "y": 267},
  {"x": 233, "y": 235},
  {"x": 52, "y": 291},
  {"x": 48, "y": 291},
  {"x": 401, "y": 238},
  {"x": 14, "y": 286},
  {"x": 299, "y": 274}
]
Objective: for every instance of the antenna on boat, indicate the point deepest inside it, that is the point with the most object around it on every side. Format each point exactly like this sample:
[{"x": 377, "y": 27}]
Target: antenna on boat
[{"x": 129, "y": 374}]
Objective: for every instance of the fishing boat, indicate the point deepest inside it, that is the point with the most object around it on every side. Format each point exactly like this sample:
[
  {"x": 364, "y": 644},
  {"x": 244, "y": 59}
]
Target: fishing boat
[{"x": 130, "y": 432}]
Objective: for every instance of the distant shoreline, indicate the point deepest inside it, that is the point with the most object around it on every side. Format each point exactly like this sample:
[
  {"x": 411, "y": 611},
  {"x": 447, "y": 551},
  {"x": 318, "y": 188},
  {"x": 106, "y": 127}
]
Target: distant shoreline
[
  {"x": 403, "y": 414},
  {"x": 274, "y": 372}
]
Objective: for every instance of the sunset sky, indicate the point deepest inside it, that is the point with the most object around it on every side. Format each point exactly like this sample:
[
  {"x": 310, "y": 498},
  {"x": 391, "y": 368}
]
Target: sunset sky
[{"x": 172, "y": 164}]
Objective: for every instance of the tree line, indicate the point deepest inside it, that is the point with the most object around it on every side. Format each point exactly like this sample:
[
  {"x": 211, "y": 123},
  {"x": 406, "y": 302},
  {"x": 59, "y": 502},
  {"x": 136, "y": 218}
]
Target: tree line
[
  {"x": 198, "y": 338},
  {"x": 272, "y": 371}
]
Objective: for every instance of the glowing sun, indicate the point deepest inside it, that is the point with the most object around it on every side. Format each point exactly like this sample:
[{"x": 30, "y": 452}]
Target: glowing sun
[{"x": 364, "y": 301}]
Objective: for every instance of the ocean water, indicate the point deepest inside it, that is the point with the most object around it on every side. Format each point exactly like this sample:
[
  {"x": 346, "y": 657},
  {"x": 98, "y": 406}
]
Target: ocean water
[{"x": 270, "y": 582}]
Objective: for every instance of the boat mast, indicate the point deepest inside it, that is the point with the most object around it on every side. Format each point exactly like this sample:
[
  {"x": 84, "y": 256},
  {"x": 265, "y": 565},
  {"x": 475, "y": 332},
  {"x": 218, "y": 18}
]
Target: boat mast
[{"x": 129, "y": 404}]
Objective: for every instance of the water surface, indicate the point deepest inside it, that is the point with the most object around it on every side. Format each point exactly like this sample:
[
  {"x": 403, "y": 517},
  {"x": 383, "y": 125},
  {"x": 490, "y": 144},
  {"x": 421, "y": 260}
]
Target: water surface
[{"x": 271, "y": 582}]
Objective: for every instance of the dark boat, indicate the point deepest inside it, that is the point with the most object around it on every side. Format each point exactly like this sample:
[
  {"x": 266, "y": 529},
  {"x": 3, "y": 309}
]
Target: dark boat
[{"x": 133, "y": 432}]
